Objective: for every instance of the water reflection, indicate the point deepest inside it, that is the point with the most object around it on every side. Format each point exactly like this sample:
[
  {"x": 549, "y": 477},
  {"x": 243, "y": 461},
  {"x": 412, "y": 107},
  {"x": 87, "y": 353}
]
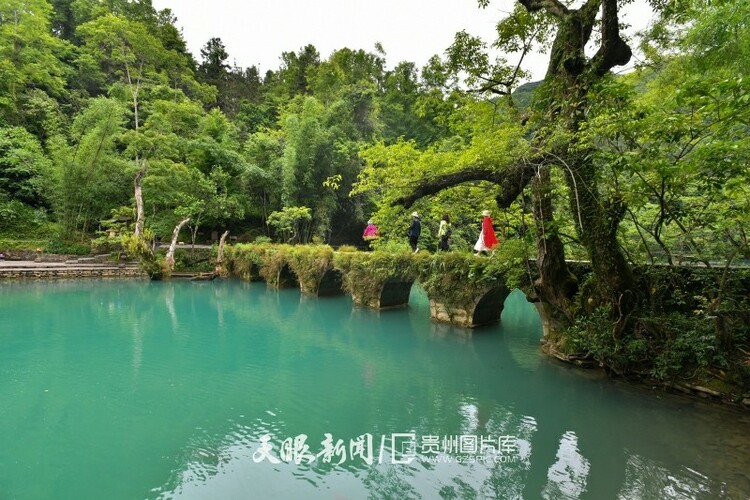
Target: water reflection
[
  {"x": 566, "y": 478},
  {"x": 174, "y": 384}
]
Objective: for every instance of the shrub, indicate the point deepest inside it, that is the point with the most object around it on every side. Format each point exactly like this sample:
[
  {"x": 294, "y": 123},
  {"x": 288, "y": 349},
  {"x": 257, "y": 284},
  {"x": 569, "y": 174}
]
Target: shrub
[
  {"x": 347, "y": 248},
  {"x": 65, "y": 247}
]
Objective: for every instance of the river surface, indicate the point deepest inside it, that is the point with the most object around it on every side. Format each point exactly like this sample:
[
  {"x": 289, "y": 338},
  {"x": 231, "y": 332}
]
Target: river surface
[{"x": 213, "y": 390}]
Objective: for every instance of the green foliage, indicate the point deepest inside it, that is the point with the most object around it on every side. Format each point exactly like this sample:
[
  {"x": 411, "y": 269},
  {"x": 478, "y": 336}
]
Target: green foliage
[
  {"x": 67, "y": 247},
  {"x": 89, "y": 176},
  {"x": 594, "y": 335},
  {"x": 291, "y": 223},
  {"x": 139, "y": 247},
  {"x": 665, "y": 348},
  {"x": 18, "y": 218},
  {"x": 198, "y": 261},
  {"x": 391, "y": 246},
  {"x": 347, "y": 248},
  {"x": 695, "y": 322},
  {"x": 30, "y": 57},
  {"x": 18, "y": 244},
  {"x": 686, "y": 343},
  {"x": 392, "y": 170},
  {"x": 22, "y": 163},
  {"x": 522, "y": 32},
  {"x": 674, "y": 140}
]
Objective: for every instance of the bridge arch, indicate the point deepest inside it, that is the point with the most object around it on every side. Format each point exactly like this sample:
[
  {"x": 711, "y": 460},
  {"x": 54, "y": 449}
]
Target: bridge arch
[
  {"x": 484, "y": 308},
  {"x": 489, "y": 307},
  {"x": 395, "y": 293},
  {"x": 286, "y": 278},
  {"x": 331, "y": 283}
]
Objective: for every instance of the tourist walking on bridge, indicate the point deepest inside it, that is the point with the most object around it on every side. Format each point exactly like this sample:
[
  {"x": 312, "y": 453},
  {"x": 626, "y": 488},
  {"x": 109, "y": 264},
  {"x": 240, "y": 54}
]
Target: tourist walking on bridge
[
  {"x": 487, "y": 240},
  {"x": 371, "y": 233},
  {"x": 414, "y": 231},
  {"x": 444, "y": 233}
]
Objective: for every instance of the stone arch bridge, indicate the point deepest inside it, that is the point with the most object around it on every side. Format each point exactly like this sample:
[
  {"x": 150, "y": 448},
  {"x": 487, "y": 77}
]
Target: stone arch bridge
[{"x": 463, "y": 290}]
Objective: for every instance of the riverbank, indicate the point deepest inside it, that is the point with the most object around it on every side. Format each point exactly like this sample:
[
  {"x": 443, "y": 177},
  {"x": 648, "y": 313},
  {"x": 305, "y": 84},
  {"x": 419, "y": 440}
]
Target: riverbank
[
  {"x": 67, "y": 269},
  {"x": 696, "y": 385}
]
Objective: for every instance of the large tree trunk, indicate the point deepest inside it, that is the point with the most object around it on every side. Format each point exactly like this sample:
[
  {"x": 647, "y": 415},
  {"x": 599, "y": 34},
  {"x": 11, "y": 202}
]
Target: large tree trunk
[
  {"x": 220, "y": 254},
  {"x": 597, "y": 220},
  {"x": 139, "y": 217},
  {"x": 173, "y": 244},
  {"x": 570, "y": 74},
  {"x": 555, "y": 285}
]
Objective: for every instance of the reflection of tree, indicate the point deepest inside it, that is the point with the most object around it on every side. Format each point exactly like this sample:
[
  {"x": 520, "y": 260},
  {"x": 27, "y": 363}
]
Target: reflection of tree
[
  {"x": 567, "y": 476},
  {"x": 169, "y": 302}
]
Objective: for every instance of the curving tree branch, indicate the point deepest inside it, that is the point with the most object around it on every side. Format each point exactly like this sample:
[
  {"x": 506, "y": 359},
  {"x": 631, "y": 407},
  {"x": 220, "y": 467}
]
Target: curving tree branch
[
  {"x": 554, "y": 7},
  {"x": 613, "y": 51},
  {"x": 512, "y": 180}
]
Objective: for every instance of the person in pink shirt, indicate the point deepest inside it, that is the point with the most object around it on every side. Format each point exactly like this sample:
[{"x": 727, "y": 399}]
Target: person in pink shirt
[{"x": 371, "y": 233}]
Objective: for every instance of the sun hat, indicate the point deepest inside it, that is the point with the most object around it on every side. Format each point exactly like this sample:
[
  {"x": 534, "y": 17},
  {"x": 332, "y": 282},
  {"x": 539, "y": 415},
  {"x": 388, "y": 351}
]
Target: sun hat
[
  {"x": 486, "y": 213},
  {"x": 370, "y": 221},
  {"x": 414, "y": 214}
]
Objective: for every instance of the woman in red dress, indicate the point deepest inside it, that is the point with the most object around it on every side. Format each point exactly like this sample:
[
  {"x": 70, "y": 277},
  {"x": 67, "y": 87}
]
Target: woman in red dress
[{"x": 487, "y": 240}]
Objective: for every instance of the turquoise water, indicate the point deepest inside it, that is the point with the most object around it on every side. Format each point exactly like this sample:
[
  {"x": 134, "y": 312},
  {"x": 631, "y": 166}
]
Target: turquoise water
[{"x": 133, "y": 390}]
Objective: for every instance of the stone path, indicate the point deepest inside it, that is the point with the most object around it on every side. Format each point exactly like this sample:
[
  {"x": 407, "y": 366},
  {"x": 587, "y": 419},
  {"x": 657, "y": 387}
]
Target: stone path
[{"x": 75, "y": 268}]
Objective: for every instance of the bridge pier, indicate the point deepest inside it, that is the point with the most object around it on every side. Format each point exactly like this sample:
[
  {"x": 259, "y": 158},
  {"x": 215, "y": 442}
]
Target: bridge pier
[
  {"x": 385, "y": 294},
  {"x": 484, "y": 309},
  {"x": 325, "y": 283},
  {"x": 313, "y": 266}
]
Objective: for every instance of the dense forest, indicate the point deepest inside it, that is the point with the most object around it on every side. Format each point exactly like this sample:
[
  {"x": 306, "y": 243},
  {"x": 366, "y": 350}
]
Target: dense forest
[{"x": 95, "y": 92}]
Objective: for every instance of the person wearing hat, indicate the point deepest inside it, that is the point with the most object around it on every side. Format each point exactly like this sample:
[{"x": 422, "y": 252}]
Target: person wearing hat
[
  {"x": 414, "y": 231},
  {"x": 487, "y": 240},
  {"x": 371, "y": 233}
]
